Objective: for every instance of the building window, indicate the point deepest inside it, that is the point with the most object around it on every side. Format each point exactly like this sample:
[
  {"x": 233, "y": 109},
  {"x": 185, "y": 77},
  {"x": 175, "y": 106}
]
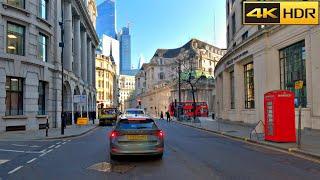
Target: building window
[
  {"x": 228, "y": 8},
  {"x": 232, "y": 90},
  {"x": 42, "y": 98},
  {"x": 43, "y": 9},
  {"x": 16, "y": 3},
  {"x": 15, "y": 39},
  {"x": 245, "y": 36},
  {"x": 161, "y": 76},
  {"x": 228, "y": 32},
  {"x": 249, "y": 86},
  {"x": 14, "y": 96},
  {"x": 233, "y": 24},
  {"x": 43, "y": 47},
  {"x": 292, "y": 69}
]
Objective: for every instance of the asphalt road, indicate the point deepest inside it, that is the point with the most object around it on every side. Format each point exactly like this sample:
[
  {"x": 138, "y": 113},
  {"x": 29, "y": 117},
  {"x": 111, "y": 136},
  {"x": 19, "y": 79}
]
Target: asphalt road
[{"x": 189, "y": 154}]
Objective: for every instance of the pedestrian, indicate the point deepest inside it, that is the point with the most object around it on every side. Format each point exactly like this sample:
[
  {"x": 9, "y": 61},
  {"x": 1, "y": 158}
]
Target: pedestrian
[
  {"x": 168, "y": 116},
  {"x": 161, "y": 116}
]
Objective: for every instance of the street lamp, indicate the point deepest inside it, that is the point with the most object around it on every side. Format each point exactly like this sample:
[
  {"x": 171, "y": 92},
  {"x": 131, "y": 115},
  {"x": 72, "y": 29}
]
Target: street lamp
[{"x": 61, "y": 44}]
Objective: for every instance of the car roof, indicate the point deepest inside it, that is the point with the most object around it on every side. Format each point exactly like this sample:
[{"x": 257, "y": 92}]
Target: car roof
[{"x": 134, "y": 109}]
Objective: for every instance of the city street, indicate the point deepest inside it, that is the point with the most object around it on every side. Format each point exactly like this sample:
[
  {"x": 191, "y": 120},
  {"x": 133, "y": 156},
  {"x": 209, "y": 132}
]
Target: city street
[{"x": 189, "y": 154}]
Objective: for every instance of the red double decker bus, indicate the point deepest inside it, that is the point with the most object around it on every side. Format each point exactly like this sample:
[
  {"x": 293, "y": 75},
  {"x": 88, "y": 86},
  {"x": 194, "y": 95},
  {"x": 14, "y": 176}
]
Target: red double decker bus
[{"x": 201, "y": 109}]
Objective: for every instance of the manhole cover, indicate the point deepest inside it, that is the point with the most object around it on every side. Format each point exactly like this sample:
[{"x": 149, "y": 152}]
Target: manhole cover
[
  {"x": 108, "y": 167},
  {"x": 102, "y": 167}
]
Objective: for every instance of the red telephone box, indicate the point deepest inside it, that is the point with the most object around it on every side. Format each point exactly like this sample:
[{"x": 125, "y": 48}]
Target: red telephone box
[{"x": 279, "y": 113}]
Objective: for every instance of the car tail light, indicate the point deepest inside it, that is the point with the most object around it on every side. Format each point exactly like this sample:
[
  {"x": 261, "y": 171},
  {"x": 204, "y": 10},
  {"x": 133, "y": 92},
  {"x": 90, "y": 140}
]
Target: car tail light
[
  {"x": 160, "y": 134},
  {"x": 114, "y": 134}
]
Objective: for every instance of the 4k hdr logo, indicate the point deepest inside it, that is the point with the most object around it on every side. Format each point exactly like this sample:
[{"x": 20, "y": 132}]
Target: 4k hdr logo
[{"x": 293, "y": 12}]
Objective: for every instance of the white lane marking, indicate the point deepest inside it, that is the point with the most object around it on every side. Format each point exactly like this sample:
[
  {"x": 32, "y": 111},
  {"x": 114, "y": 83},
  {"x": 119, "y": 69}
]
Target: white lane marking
[
  {"x": 45, "y": 153},
  {"x": 58, "y": 146},
  {"x": 58, "y": 142},
  {"x": 23, "y": 145},
  {"x": 14, "y": 170},
  {"x": 64, "y": 142},
  {"x": 34, "y": 146},
  {"x": 11, "y": 150},
  {"x": 69, "y": 140},
  {"x": 2, "y": 161},
  {"x": 51, "y": 146},
  {"x": 31, "y": 160},
  {"x": 20, "y": 145}
]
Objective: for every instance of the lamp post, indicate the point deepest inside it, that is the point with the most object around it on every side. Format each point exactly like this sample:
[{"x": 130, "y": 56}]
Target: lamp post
[{"x": 61, "y": 44}]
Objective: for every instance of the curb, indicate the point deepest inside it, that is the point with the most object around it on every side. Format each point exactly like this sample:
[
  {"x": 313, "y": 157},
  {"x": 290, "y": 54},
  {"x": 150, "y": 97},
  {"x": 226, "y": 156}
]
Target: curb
[
  {"x": 69, "y": 136},
  {"x": 266, "y": 144},
  {"x": 51, "y": 138}
]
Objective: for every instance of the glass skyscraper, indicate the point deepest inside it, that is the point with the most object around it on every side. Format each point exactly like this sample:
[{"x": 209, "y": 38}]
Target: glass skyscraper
[
  {"x": 106, "y": 20},
  {"x": 125, "y": 51}
]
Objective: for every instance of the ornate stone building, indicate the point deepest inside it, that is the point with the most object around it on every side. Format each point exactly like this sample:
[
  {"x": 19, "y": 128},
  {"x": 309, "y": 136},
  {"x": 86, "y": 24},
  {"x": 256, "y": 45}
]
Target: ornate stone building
[
  {"x": 156, "y": 82},
  {"x": 30, "y": 62},
  {"x": 106, "y": 81}
]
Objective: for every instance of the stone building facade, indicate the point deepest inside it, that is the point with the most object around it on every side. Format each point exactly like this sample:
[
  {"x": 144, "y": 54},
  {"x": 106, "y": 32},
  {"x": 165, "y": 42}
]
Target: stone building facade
[
  {"x": 106, "y": 81},
  {"x": 30, "y": 62},
  {"x": 260, "y": 59},
  {"x": 126, "y": 88},
  {"x": 157, "y": 81}
]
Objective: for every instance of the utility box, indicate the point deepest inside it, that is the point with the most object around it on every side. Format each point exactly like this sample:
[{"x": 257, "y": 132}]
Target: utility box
[{"x": 279, "y": 121}]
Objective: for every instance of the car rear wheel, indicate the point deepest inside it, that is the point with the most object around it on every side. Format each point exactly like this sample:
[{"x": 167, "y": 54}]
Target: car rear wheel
[
  {"x": 159, "y": 156},
  {"x": 113, "y": 157}
]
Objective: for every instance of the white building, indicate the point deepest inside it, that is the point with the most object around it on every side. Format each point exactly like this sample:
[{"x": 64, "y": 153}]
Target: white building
[
  {"x": 30, "y": 62},
  {"x": 260, "y": 59},
  {"x": 126, "y": 88},
  {"x": 110, "y": 47}
]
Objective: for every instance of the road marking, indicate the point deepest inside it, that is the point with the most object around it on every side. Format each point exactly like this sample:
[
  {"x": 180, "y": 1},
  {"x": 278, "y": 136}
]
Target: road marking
[
  {"x": 23, "y": 145},
  {"x": 31, "y": 160},
  {"x": 2, "y": 161},
  {"x": 58, "y": 146},
  {"x": 45, "y": 153},
  {"x": 20, "y": 145},
  {"x": 58, "y": 142},
  {"x": 51, "y": 146},
  {"x": 69, "y": 140},
  {"x": 11, "y": 150},
  {"x": 64, "y": 142},
  {"x": 34, "y": 146},
  {"x": 16, "y": 169}
]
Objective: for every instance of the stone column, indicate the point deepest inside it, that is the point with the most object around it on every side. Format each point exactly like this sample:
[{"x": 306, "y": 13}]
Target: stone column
[
  {"x": 93, "y": 67},
  {"x": 67, "y": 53},
  {"x": 77, "y": 47},
  {"x": 89, "y": 62},
  {"x": 84, "y": 56}
]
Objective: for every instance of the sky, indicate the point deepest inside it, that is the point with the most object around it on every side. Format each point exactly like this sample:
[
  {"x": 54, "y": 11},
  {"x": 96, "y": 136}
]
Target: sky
[{"x": 169, "y": 24}]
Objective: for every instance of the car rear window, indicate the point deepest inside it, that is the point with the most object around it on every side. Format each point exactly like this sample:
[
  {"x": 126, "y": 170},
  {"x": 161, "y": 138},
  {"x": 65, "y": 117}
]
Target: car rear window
[
  {"x": 138, "y": 112},
  {"x": 136, "y": 124}
]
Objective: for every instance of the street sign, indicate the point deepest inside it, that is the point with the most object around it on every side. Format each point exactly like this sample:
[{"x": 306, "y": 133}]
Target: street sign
[
  {"x": 298, "y": 85},
  {"x": 79, "y": 98},
  {"x": 82, "y": 121}
]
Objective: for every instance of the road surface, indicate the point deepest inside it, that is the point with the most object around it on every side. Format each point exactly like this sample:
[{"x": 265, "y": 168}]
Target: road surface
[{"x": 189, "y": 154}]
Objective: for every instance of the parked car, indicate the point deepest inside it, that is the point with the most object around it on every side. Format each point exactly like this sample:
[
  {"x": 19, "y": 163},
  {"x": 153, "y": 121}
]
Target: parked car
[{"x": 107, "y": 116}]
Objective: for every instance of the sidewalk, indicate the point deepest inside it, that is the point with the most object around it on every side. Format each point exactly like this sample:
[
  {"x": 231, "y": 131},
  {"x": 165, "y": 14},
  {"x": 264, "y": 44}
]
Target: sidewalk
[
  {"x": 53, "y": 133},
  {"x": 310, "y": 145}
]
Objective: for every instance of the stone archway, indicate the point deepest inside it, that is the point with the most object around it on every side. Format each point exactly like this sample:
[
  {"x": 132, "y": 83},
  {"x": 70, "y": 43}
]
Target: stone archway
[
  {"x": 67, "y": 102},
  {"x": 76, "y": 106},
  {"x": 85, "y": 105}
]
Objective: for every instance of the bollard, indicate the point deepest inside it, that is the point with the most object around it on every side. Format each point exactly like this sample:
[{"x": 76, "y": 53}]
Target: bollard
[{"x": 47, "y": 127}]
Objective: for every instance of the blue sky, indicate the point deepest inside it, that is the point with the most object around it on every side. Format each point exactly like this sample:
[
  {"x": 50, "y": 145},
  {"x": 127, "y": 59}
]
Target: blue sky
[{"x": 170, "y": 23}]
